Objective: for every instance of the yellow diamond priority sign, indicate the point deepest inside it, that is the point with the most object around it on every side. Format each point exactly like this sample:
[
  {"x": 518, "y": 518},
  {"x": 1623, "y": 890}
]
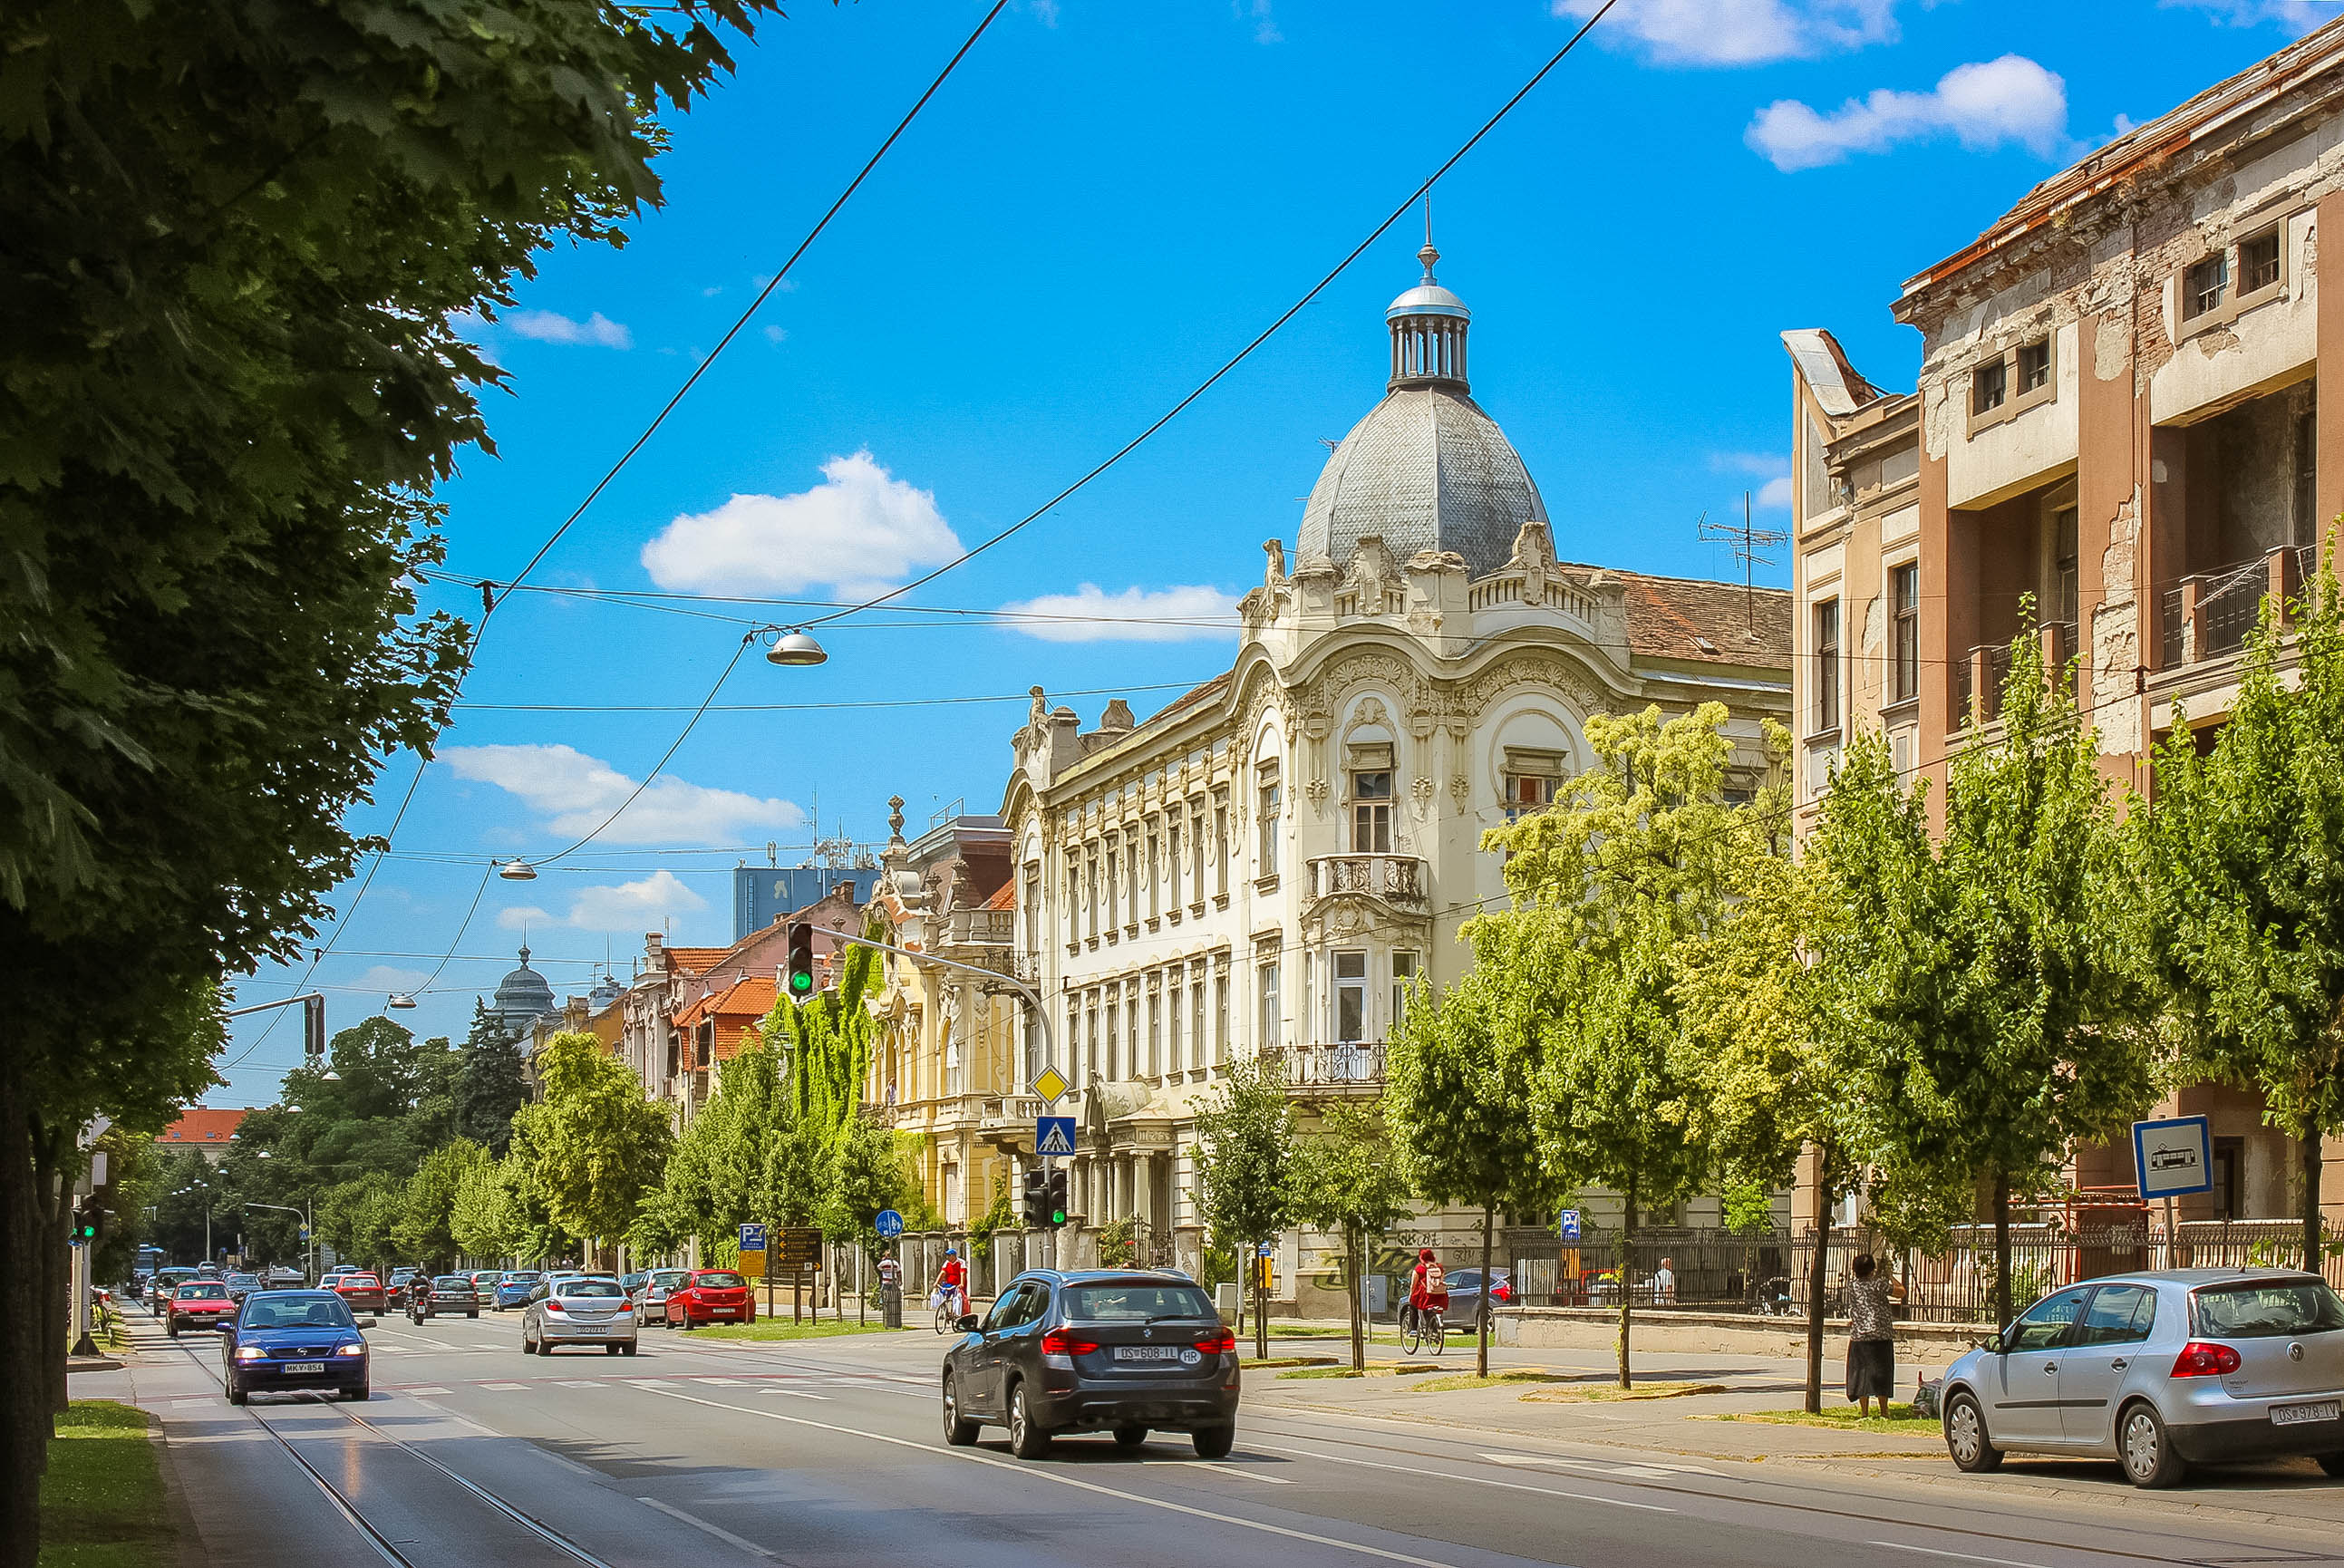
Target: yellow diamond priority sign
[{"x": 1051, "y": 1084}]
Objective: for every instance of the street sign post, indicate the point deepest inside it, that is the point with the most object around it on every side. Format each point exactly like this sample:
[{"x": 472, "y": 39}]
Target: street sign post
[
  {"x": 797, "y": 1252},
  {"x": 753, "y": 1253},
  {"x": 2173, "y": 1158},
  {"x": 1054, "y": 1136},
  {"x": 889, "y": 1224}
]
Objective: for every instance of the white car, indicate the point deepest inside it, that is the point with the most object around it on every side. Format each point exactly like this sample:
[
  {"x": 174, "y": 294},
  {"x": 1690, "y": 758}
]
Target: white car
[{"x": 578, "y": 1310}]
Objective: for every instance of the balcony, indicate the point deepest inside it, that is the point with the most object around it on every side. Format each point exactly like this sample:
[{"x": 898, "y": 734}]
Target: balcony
[
  {"x": 1394, "y": 878},
  {"x": 1982, "y": 675},
  {"x": 1334, "y": 1067},
  {"x": 2208, "y": 614},
  {"x": 980, "y": 928}
]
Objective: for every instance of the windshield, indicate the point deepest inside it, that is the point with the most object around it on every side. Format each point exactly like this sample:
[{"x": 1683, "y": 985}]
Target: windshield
[
  {"x": 591, "y": 1287},
  {"x": 1135, "y": 1303},
  {"x": 205, "y": 1292},
  {"x": 358, "y": 1281},
  {"x": 668, "y": 1278},
  {"x": 721, "y": 1279},
  {"x": 296, "y": 1312},
  {"x": 243, "y": 1279},
  {"x": 2260, "y": 1309}
]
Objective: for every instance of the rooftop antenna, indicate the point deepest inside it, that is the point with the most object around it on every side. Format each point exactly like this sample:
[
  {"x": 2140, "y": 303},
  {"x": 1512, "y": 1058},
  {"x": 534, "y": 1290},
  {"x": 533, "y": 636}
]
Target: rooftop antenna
[{"x": 1750, "y": 542}]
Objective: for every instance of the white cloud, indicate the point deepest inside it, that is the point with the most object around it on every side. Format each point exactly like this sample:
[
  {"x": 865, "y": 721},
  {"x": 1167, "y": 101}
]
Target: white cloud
[
  {"x": 1045, "y": 11},
  {"x": 1983, "y": 105},
  {"x": 384, "y": 977},
  {"x": 776, "y": 333},
  {"x": 1740, "y": 32},
  {"x": 552, "y": 326},
  {"x": 641, "y": 905},
  {"x": 1775, "y": 494},
  {"x": 1090, "y": 614},
  {"x": 861, "y": 530},
  {"x": 1265, "y": 25},
  {"x": 576, "y": 793},
  {"x": 1765, "y": 464},
  {"x": 2294, "y": 16}
]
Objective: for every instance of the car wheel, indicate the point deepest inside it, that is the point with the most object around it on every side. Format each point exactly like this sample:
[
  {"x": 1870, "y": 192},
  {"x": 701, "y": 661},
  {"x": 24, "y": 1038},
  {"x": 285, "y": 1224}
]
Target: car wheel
[
  {"x": 1213, "y": 1441},
  {"x": 613, "y": 1349},
  {"x": 1966, "y": 1436},
  {"x": 2333, "y": 1463},
  {"x": 959, "y": 1430},
  {"x": 234, "y": 1389},
  {"x": 359, "y": 1394},
  {"x": 687, "y": 1325},
  {"x": 1130, "y": 1436},
  {"x": 527, "y": 1345},
  {"x": 475, "y": 1312},
  {"x": 1027, "y": 1438},
  {"x": 2146, "y": 1448},
  {"x": 629, "y": 1348}
]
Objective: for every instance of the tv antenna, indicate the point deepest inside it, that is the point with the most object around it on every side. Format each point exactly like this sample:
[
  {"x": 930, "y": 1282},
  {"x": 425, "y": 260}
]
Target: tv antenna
[{"x": 1750, "y": 544}]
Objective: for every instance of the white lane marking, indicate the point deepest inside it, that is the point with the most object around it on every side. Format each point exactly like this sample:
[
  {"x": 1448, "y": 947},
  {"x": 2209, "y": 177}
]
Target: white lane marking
[
  {"x": 1028, "y": 1470},
  {"x": 1629, "y": 1472},
  {"x": 1965, "y": 1556},
  {"x": 799, "y": 1394},
  {"x": 1229, "y": 1469},
  {"x": 728, "y": 1382},
  {"x": 505, "y": 1388},
  {"x": 1419, "y": 1470},
  {"x": 421, "y": 1389},
  {"x": 578, "y": 1383},
  {"x": 697, "y": 1522}
]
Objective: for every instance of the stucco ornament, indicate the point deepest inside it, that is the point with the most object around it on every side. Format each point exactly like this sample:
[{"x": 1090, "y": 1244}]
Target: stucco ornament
[{"x": 1420, "y": 795}]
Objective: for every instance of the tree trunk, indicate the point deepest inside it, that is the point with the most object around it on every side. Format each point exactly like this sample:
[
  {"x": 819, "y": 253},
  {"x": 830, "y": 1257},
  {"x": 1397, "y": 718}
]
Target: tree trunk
[
  {"x": 52, "y": 1258},
  {"x": 24, "y": 1422},
  {"x": 1260, "y": 1307},
  {"x": 1818, "y": 1278},
  {"x": 2313, "y": 1201},
  {"x": 1480, "y": 1360},
  {"x": 1627, "y": 1283},
  {"x": 2001, "y": 1250},
  {"x": 1356, "y": 1245}
]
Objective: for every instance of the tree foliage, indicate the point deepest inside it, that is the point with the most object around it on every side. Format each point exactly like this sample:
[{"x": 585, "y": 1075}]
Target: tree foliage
[
  {"x": 426, "y": 1227},
  {"x": 1346, "y": 1180},
  {"x": 1245, "y": 1160},
  {"x": 591, "y": 1147},
  {"x": 490, "y": 1083}
]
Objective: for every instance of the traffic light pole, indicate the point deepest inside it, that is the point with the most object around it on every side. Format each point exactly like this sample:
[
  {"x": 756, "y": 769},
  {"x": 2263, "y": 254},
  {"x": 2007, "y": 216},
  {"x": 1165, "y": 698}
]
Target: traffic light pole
[
  {"x": 1032, "y": 996},
  {"x": 313, "y": 1021}
]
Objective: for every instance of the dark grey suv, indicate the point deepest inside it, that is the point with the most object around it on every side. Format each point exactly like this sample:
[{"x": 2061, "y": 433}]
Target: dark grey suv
[{"x": 1119, "y": 1349}]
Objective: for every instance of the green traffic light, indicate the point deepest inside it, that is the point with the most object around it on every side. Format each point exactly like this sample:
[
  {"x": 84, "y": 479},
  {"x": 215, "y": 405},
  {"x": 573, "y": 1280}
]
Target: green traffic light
[{"x": 801, "y": 982}]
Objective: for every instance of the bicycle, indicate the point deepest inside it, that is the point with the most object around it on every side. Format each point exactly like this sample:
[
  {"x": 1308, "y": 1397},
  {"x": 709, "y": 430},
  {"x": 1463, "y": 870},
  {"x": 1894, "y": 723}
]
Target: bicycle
[
  {"x": 1420, "y": 1329},
  {"x": 948, "y": 1314}
]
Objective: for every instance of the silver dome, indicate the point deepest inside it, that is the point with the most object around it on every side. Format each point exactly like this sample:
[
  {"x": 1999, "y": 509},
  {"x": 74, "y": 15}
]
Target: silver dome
[
  {"x": 522, "y": 997},
  {"x": 1427, "y": 299},
  {"x": 1426, "y": 469}
]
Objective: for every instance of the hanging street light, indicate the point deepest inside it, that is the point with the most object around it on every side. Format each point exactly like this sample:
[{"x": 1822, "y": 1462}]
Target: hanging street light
[
  {"x": 794, "y": 647},
  {"x": 517, "y": 870},
  {"x": 400, "y": 1002}
]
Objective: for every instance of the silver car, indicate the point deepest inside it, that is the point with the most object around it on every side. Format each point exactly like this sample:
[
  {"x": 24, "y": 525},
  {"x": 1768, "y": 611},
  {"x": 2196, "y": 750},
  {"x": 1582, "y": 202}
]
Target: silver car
[
  {"x": 578, "y": 1310},
  {"x": 652, "y": 1292},
  {"x": 2158, "y": 1371}
]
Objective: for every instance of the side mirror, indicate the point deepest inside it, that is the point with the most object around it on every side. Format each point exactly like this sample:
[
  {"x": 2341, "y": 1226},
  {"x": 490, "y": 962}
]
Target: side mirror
[
  {"x": 1992, "y": 1342},
  {"x": 967, "y": 1324}
]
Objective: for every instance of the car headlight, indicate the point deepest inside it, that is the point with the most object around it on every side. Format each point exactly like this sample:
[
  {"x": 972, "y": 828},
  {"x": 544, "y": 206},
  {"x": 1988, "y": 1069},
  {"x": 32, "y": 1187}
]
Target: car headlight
[
  {"x": 250, "y": 1354},
  {"x": 356, "y": 1348}
]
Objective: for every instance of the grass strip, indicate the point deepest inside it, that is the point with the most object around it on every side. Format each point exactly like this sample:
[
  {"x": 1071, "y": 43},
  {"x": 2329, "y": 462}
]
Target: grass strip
[
  {"x": 1375, "y": 1369},
  {"x": 1289, "y": 1361},
  {"x": 1606, "y": 1393},
  {"x": 102, "y": 1499},
  {"x": 1846, "y": 1420},
  {"x": 782, "y": 1329},
  {"x": 1495, "y": 1381}
]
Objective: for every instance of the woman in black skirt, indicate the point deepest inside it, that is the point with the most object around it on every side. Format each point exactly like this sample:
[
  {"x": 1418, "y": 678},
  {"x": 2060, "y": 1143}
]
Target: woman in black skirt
[{"x": 1871, "y": 1336}]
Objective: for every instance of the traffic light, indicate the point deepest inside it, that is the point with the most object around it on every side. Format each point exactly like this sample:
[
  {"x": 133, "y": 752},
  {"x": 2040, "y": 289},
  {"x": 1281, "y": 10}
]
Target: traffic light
[
  {"x": 1036, "y": 1206},
  {"x": 84, "y": 1224},
  {"x": 313, "y": 1031},
  {"x": 1054, "y": 1209},
  {"x": 801, "y": 969}
]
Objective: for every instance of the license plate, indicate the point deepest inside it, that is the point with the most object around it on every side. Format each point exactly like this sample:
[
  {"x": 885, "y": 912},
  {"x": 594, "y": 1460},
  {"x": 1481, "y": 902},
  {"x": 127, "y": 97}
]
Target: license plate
[
  {"x": 304, "y": 1367},
  {"x": 1148, "y": 1352},
  {"x": 723, "y": 1311},
  {"x": 2298, "y": 1415}
]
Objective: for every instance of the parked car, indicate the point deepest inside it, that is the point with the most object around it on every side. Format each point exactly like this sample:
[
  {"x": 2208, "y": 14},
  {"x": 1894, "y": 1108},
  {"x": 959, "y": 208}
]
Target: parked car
[
  {"x": 1123, "y": 1351},
  {"x": 514, "y": 1287},
  {"x": 197, "y": 1304},
  {"x": 443, "y": 1294},
  {"x": 651, "y": 1296},
  {"x": 167, "y": 1281},
  {"x": 2158, "y": 1371},
  {"x": 710, "y": 1296},
  {"x": 582, "y": 1310},
  {"x": 394, "y": 1290},
  {"x": 293, "y": 1340},
  {"x": 1465, "y": 1293},
  {"x": 360, "y": 1292}
]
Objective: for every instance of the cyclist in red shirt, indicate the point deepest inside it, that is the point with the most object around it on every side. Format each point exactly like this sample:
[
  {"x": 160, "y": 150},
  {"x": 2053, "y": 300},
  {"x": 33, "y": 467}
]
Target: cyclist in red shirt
[
  {"x": 1427, "y": 1285},
  {"x": 951, "y": 1280}
]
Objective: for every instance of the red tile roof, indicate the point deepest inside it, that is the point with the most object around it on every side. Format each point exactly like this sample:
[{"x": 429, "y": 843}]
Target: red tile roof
[
  {"x": 695, "y": 959},
  {"x": 199, "y": 1126},
  {"x": 1003, "y": 896},
  {"x": 737, "y": 1010}
]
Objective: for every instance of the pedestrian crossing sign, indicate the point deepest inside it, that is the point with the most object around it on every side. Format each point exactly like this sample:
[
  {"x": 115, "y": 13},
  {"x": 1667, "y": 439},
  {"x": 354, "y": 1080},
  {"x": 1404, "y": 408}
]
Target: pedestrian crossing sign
[
  {"x": 1050, "y": 1085},
  {"x": 1054, "y": 1134}
]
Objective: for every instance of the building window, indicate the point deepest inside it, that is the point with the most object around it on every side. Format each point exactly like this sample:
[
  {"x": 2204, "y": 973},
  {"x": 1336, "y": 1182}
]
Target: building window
[
  {"x": 1172, "y": 1020},
  {"x": 1131, "y": 1022},
  {"x": 1269, "y": 1016},
  {"x": 1091, "y": 1047},
  {"x": 1222, "y": 848},
  {"x": 1827, "y": 693},
  {"x": 1904, "y": 621},
  {"x": 1114, "y": 1034},
  {"x": 2259, "y": 262},
  {"x": 1131, "y": 879},
  {"x": 1989, "y": 386},
  {"x": 1350, "y": 998},
  {"x": 1532, "y": 779},
  {"x": 1372, "y": 800},
  {"x": 1196, "y": 1013},
  {"x": 1155, "y": 1032},
  {"x": 1092, "y": 861},
  {"x": 2035, "y": 365},
  {"x": 2066, "y": 552},
  {"x": 1154, "y": 907},
  {"x": 1403, "y": 981},
  {"x": 1172, "y": 862},
  {"x": 2205, "y": 285},
  {"x": 1266, "y": 821},
  {"x": 1196, "y": 856},
  {"x": 1221, "y": 1013}
]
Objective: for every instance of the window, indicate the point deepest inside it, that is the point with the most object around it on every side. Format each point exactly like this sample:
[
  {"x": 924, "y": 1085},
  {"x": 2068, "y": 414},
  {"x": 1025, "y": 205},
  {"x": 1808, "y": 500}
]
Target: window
[
  {"x": 1827, "y": 693},
  {"x": 1530, "y": 779},
  {"x": 1266, "y": 821},
  {"x": 2045, "y": 1325},
  {"x": 1269, "y": 1015},
  {"x": 1092, "y": 861},
  {"x": 1074, "y": 905},
  {"x": 1221, "y": 846},
  {"x": 1113, "y": 1035},
  {"x": 2265, "y": 1308},
  {"x": 1196, "y": 1014},
  {"x": 2065, "y": 585},
  {"x": 1154, "y": 908},
  {"x": 1172, "y": 862},
  {"x": 2259, "y": 262},
  {"x": 1372, "y": 800},
  {"x": 2118, "y": 1315},
  {"x": 1989, "y": 386},
  {"x": 1904, "y": 623},
  {"x": 1196, "y": 856},
  {"x": 1131, "y": 1042},
  {"x": 1172, "y": 1020},
  {"x": 1131, "y": 879},
  {"x": 1075, "y": 1037},
  {"x": 2205, "y": 286},
  {"x": 1350, "y": 997},
  {"x": 1403, "y": 980},
  {"x": 2035, "y": 365},
  {"x": 1091, "y": 1049}
]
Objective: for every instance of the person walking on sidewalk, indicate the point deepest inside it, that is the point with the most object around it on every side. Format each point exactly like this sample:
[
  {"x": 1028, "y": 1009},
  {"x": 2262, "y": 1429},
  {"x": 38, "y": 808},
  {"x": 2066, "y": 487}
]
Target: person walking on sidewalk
[{"x": 1871, "y": 1335}]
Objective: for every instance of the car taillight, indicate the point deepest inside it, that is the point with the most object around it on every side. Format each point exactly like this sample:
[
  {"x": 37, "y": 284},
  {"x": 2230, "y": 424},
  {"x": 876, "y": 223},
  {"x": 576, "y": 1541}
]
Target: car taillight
[
  {"x": 1059, "y": 1342},
  {"x": 1504, "y": 1293},
  {"x": 626, "y": 1307},
  {"x": 2199, "y": 1358},
  {"x": 1219, "y": 1344},
  {"x": 552, "y": 1305}
]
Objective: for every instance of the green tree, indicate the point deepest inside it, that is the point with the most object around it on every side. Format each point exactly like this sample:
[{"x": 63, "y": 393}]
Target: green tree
[
  {"x": 2243, "y": 856},
  {"x": 487, "y": 1219},
  {"x": 1346, "y": 1180},
  {"x": 426, "y": 1227},
  {"x": 592, "y": 1148},
  {"x": 1245, "y": 1168},
  {"x": 490, "y": 1082},
  {"x": 867, "y": 1175}
]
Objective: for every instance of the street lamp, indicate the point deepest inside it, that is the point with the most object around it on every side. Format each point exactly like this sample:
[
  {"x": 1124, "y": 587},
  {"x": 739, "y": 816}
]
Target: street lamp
[
  {"x": 794, "y": 647},
  {"x": 309, "y": 1233},
  {"x": 517, "y": 870},
  {"x": 400, "y": 1002}
]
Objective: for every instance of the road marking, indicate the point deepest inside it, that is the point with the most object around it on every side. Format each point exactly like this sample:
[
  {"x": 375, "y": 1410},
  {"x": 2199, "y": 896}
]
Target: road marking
[
  {"x": 505, "y": 1388},
  {"x": 697, "y": 1522},
  {"x": 421, "y": 1389},
  {"x": 1965, "y": 1556},
  {"x": 1630, "y": 1472},
  {"x": 799, "y": 1394},
  {"x": 728, "y": 1382},
  {"x": 580, "y": 1383},
  {"x": 1056, "y": 1479},
  {"x": 1419, "y": 1470},
  {"x": 1229, "y": 1470}
]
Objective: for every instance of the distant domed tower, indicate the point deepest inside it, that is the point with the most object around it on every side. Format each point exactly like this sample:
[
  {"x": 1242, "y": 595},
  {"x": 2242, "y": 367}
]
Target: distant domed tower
[
  {"x": 522, "y": 997},
  {"x": 1427, "y": 469}
]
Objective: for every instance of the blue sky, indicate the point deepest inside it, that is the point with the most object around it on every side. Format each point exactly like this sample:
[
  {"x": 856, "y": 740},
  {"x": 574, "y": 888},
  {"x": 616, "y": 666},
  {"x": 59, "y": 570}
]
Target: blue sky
[{"x": 1105, "y": 201}]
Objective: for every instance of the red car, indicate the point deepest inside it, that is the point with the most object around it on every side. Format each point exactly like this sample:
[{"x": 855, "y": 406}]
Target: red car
[
  {"x": 711, "y": 1296},
  {"x": 197, "y": 1304},
  {"x": 360, "y": 1292}
]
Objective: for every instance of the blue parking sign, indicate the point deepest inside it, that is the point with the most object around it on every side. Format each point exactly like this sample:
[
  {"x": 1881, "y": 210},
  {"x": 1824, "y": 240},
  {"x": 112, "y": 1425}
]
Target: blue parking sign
[
  {"x": 752, "y": 1238},
  {"x": 1566, "y": 1225}
]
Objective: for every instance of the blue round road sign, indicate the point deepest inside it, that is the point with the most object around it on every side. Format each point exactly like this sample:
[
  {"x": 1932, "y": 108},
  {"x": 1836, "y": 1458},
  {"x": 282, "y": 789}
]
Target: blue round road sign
[{"x": 889, "y": 1223}]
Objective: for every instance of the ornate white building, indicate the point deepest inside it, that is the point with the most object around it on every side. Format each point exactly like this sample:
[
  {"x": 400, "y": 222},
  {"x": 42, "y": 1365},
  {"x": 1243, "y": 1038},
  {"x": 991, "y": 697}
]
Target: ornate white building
[{"x": 1268, "y": 863}]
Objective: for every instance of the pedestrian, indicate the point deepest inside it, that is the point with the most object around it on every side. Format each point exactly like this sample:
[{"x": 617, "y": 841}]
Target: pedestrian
[
  {"x": 1871, "y": 1335},
  {"x": 1664, "y": 1284}
]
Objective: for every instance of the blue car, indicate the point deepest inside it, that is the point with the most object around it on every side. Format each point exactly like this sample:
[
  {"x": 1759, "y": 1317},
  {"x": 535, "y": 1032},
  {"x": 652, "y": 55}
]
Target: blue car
[
  {"x": 513, "y": 1288},
  {"x": 293, "y": 1340}
]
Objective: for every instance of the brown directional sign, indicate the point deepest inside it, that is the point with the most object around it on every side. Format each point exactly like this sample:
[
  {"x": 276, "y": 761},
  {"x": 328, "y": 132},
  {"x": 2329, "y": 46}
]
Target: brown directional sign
[{"x": 796, "y": 1247}]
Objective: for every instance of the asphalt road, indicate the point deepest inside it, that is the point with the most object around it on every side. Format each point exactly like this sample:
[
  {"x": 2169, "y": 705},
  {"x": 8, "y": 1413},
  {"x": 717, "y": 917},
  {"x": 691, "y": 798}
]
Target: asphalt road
[{"x": 711, "y": 1452}]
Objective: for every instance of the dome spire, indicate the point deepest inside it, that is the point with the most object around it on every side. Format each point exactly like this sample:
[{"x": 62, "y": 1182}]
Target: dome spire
[{"x": 1428, "y": 254}]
